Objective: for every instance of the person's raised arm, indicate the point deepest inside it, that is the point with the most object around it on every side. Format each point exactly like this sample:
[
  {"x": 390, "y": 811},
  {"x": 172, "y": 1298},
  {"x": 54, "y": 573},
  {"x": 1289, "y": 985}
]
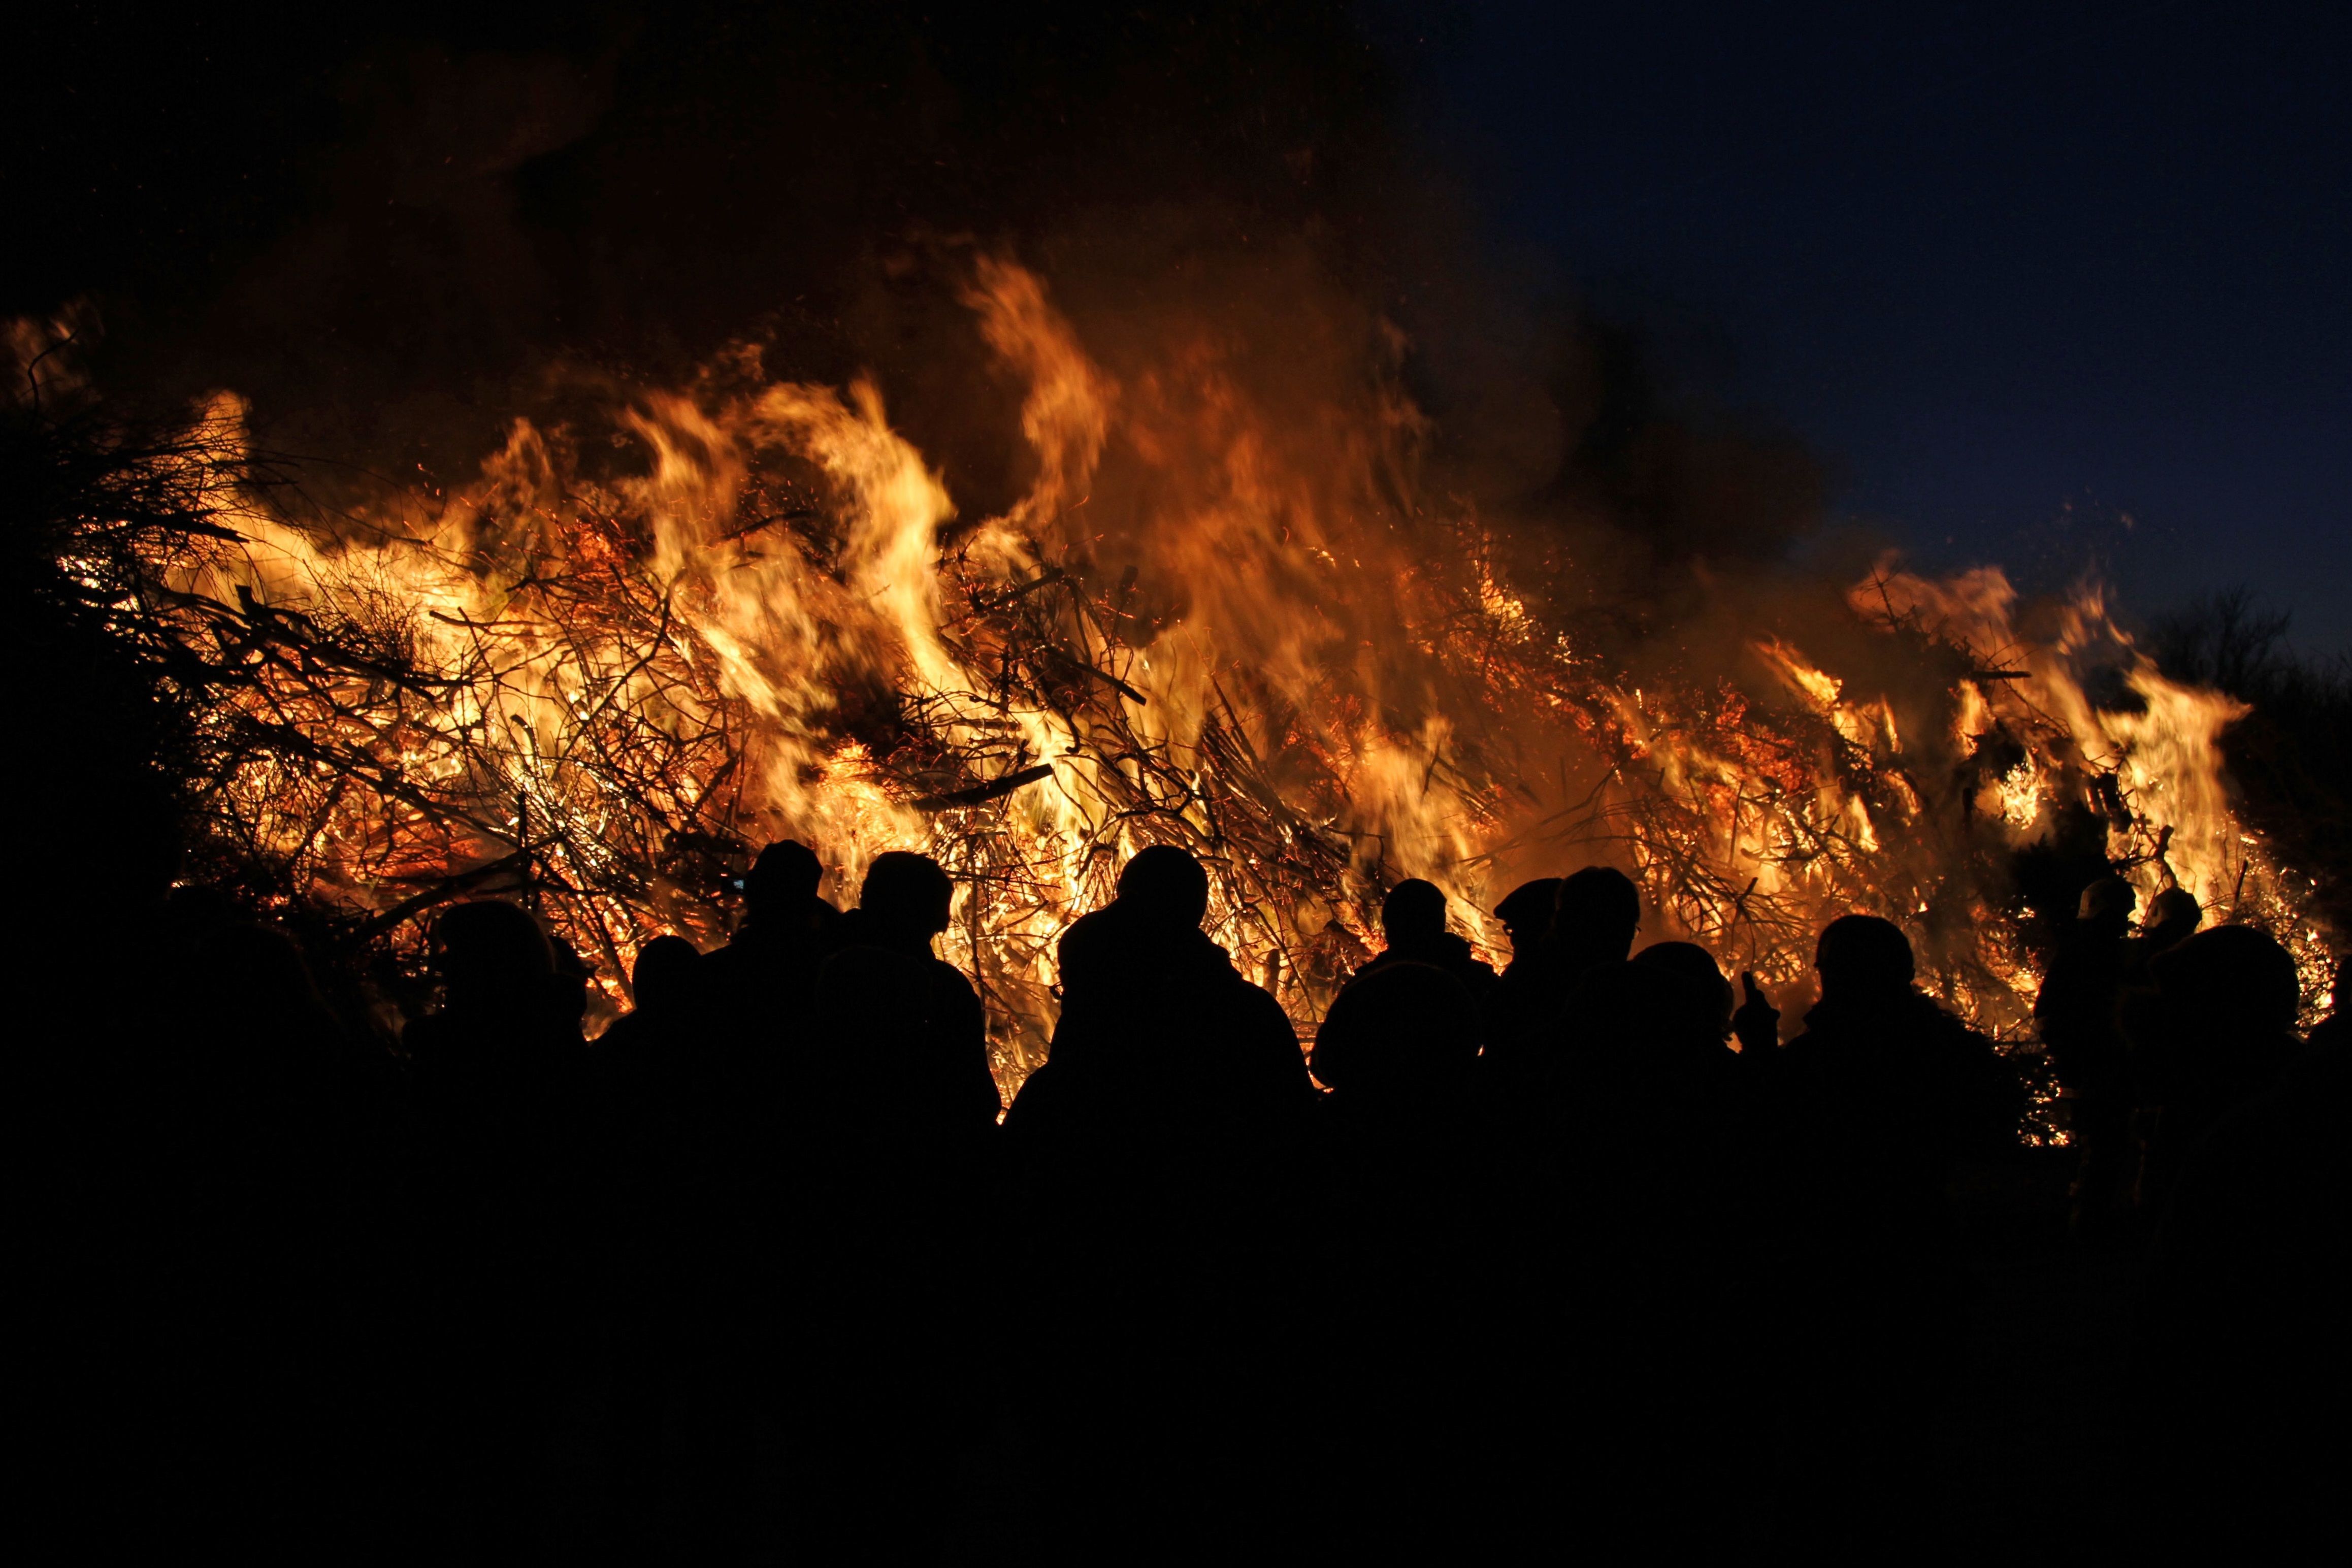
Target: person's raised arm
[{"x": 1757, "y": 1024}]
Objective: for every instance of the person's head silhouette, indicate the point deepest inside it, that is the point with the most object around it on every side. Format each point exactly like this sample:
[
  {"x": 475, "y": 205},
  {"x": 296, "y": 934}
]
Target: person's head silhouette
[
  {"x": 2107, "y": 905},
  {"x": 1596, "y": 913},
  {"x": 1863, "y": 958},
  {"x": 1694, "y": 969},
  {"x": 783, "y": 880},
  {"x": 1526, "y": 911},
  {"x": 663, "y": 976},
  {"x": 493, "y": 957},
  {"x": 1164, "y": 887},
  {"x": 1413, "y": 911},
  {"x": 2172, "y": 916},
  {"x": 906, "y": 897}
]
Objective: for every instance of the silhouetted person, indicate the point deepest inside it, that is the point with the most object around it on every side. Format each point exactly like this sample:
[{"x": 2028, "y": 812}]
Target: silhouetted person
[
  {"x": 646, "y": 1064},
  {"x": 2173, "y": 917},
  {"x": 753, "y": 1044},
  {"x": 1526, "y": 914},
  {"x": 2078, "y": 1013},
  {"x": 2243, "y": 1364},
  {"x": 1683, "y": 1061},
  {"x": 885, "y": 1227},
  {"x": 1709, "y": 992},
  {"x": 786, "y": 928},
  {"x": 1591, "y": 922},
  {"x": 505, "y": 1008},
  {"x": 1925, "y": 1090},
  {"x": 1682, "y": 1072},
  {"x": 662, "y": 985},
  {"x": 1621, "y": 1190},
  {"x": 1413, "y": 918},
  {"x": 643, "y": 1064},
  {"x": 1639, "y": 1167},
  {"x": 2217, "y": 1030},
  {"x": 757, "y": 986},
  {"x": 1596, "y": 913},
  {"x": 1401, "y": 1251},
  {"x": 2075, "y": 1008},
  {"x": 1157, "y": 1150},
  {"x": 908, "y": 1034},
  {"x": 257, "y": 1114},
  {"x": 1142, "y": 984},
  {"x": 507, "y": 1115},
  {"x": 1527, "y": 923},
  {"x": 1896, "y": 1093},
  {"x": 663, "y": 977},
  {"x": 1397, "y": 1048},
  {"x": 1649, "y": 1038},
  {"x": 782, "y": 913}
]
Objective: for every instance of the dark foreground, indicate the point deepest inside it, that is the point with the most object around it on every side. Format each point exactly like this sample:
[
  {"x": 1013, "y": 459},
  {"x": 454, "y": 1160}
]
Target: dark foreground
[{"x": 1537, "y": 1265}]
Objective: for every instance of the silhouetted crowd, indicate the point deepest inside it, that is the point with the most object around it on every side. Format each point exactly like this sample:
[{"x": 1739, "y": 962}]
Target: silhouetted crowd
[{"x": 1581, "y": 1255}]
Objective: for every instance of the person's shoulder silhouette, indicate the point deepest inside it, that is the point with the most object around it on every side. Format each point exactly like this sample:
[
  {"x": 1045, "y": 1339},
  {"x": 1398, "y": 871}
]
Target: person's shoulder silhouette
[
  {"x": 1154, "y": 1016},
  {"x": 1526, "y": 912},
  {"x": 1399, "y": 1042},
  {"x": 2173, "y": 917},
  {"x": 2075, "y": 1008},
  {"x": 2217, "y": 1029},
  {"x": 2229, "y": 998},
  {"x": 1413, "y": 918},
  {"x": 505, "y": 1004},
  {"x": 1151, "y": 927},
  {"x": 905, "y": 1025},
  {"x": 2078, "y": 1013},
  {"x": 786, "y": 927},
  {"x": 645, "y": 1045},
  {"x": 753, "y": 997},
  {"x": 2241, "y": 1352},
  {"x": 1921, "y": 1084},
  {"x": 1156, "y": 1150},
  {"x": 1694, "y": 1009},
  {"x": 1519, "y": 1003},
  {"x": 1589, "y": 926}
]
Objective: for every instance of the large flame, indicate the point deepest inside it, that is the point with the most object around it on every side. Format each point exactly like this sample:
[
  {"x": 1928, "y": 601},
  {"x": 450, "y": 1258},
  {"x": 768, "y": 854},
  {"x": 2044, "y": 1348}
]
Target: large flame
[{"x": 1257, "y": 636}]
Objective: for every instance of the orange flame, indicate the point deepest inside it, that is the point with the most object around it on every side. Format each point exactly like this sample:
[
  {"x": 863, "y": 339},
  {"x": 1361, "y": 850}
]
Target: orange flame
[{"x": 1250, "y": 634}]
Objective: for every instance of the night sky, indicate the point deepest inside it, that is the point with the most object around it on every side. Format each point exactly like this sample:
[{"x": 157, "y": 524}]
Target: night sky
[{"x": 2019, "y": 272}]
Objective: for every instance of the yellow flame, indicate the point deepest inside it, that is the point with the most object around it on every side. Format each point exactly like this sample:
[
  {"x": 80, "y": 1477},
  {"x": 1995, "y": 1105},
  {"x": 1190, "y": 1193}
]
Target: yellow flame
[{"x": 1241, "y": 618}]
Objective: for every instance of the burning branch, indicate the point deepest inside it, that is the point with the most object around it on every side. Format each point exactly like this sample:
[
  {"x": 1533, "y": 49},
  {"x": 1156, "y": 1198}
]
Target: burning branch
[{"x": 596, "y": 691}]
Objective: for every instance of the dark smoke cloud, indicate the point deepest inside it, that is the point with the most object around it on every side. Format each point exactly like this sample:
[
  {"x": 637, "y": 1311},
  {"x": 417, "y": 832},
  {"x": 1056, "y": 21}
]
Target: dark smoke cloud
[
  {"x": 429, "y": 209},
  {"x": 391, "y": 233}
]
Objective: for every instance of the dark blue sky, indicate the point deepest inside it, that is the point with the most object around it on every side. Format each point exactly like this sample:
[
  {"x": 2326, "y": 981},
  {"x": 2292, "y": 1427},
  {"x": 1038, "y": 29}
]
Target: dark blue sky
[{"x": 2019, "y": 272}]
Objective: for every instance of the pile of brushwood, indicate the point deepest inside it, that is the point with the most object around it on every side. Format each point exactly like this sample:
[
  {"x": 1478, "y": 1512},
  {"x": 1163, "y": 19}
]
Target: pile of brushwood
[{"x": 103, "y": 714}]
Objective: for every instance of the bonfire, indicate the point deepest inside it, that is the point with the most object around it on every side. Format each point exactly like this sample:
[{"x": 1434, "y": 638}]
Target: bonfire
[{"x": 599, "y": 687}]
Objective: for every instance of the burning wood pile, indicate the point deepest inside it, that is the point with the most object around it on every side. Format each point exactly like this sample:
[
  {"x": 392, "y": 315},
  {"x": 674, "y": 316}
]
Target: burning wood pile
[{"x": 601, "y": 675}]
